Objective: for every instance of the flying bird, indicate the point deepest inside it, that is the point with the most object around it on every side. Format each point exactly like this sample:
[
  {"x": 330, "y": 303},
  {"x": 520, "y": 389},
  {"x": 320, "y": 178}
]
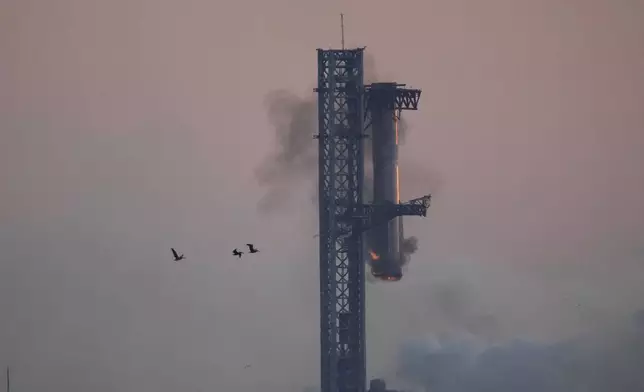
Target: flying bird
[
  {"x": 237, "y": 253},
  {"x": 251, "y": 248},
  {"x": 177, "y": 257}
]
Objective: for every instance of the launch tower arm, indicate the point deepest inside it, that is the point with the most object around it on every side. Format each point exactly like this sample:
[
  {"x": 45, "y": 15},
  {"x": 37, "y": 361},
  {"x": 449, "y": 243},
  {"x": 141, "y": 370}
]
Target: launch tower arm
[
  {"x": 390, "y": 96},
  {"x": 419, "y": 206},
  {"x": 407, "y": 99},
  {"x": 403, "y": 98},
  {"x": 367, "y": 216}
]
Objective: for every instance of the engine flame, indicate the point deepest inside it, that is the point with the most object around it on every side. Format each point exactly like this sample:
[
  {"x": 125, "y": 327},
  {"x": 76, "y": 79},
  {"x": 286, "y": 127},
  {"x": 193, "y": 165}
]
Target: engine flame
[{"x": 374, "y": 255}]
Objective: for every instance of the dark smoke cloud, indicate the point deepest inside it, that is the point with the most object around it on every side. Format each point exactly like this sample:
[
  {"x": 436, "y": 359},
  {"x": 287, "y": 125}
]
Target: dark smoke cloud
[
  {"x": 295, "y": 160},
  {"x": 408, "y": 246},
  {"x": 605, "y": 362}
]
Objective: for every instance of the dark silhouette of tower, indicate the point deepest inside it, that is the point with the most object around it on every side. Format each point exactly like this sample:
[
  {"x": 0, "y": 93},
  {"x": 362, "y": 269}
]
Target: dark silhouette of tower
[{"x": 343, "y": 215}]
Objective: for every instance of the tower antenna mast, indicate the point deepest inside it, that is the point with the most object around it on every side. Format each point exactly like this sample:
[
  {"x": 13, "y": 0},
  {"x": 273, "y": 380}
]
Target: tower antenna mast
[{"x": 342, "y": 28}]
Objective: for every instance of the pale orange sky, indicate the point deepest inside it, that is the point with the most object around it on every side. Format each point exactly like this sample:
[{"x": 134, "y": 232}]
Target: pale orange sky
[{"x": 128, "y": 127}]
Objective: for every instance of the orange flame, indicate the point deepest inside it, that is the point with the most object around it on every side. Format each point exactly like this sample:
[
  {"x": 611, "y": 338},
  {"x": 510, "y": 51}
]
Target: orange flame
[{"x": 374, "y": 255}]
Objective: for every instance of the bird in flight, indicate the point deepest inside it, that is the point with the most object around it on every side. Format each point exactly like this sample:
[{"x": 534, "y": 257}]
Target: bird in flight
[
  {"x": 237, "y": 253},
  {"x": 177, "y": 257},
  {"x": 251, "y": 248}
]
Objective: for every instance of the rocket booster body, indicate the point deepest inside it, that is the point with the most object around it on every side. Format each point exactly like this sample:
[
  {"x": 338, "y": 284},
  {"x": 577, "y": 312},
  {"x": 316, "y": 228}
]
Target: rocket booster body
[{"x": 384, "y": 240}]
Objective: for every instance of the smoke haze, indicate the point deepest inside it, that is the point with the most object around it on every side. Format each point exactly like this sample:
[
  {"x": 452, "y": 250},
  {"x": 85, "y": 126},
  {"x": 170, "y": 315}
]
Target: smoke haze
[{"x": 596, "y": 363}]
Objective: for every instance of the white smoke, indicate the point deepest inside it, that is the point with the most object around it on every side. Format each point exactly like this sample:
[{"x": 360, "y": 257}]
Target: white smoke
[{"x": 605, "y": 362}]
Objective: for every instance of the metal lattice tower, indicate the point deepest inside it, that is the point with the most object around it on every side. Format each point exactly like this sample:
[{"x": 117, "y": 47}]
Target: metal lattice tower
[
  {"x": 341, "y": 167},
  {"x": 344, "y": 218}
]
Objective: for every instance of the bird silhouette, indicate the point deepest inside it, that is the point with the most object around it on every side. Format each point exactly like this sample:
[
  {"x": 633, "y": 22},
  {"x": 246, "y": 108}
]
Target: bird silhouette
[
  {"x": 237, "y": 253},
  {"x": 177, "y": 257},
  {"x": 251, "y": 248}
]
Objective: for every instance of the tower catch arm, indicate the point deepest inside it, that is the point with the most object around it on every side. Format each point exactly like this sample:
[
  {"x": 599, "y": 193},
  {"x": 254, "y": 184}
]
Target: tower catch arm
[{"x": 367, "y": 216}]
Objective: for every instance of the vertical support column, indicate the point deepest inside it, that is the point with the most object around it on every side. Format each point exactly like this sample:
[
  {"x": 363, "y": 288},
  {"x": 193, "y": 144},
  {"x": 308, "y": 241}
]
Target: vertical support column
[
  {"x": 355, "y": 378},
  {"x": 325, "y": 147},
  {"x": 341, "y": 168}
]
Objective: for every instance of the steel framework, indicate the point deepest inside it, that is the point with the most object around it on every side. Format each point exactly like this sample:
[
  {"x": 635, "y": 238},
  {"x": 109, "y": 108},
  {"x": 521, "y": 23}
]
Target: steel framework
[
  {"x": 341, "y": 119},
  {"x": 343, "y": 218}
]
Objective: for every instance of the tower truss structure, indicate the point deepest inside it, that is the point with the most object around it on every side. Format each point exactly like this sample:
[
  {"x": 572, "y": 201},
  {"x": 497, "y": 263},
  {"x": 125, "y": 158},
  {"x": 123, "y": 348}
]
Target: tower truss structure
[
  {"x": 343, "y": 218},
  {"x": 341, "y": 166}
]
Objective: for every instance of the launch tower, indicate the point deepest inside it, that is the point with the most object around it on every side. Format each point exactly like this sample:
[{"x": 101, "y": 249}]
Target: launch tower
[{"x": 344, "y": 217}]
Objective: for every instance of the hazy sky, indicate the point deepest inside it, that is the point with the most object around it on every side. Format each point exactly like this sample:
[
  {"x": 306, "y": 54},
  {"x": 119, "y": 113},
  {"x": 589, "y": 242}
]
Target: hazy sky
[{"x": 131, "y": 126}]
